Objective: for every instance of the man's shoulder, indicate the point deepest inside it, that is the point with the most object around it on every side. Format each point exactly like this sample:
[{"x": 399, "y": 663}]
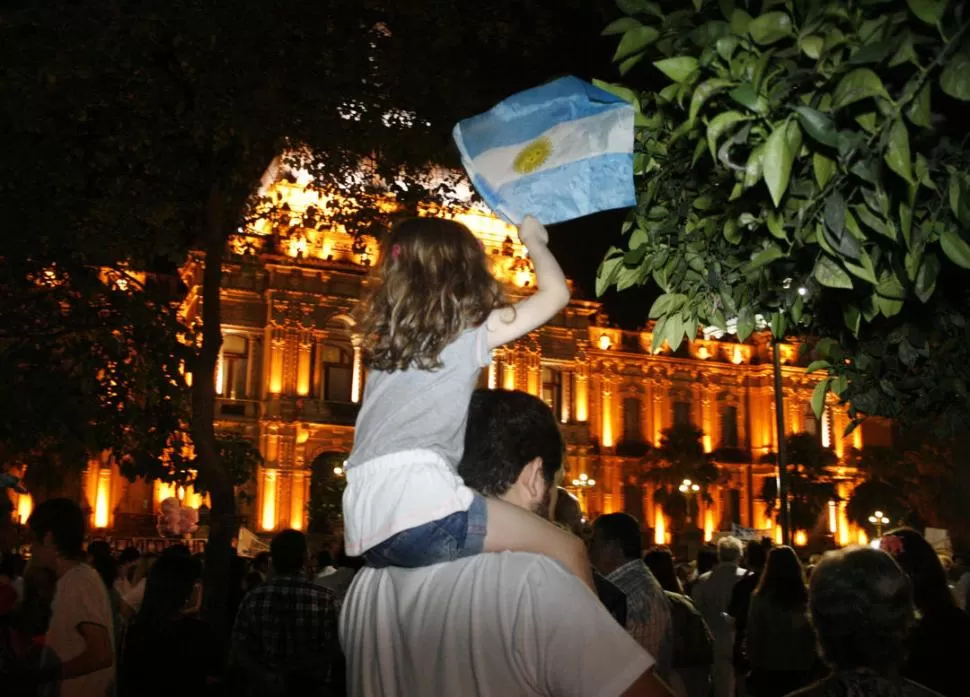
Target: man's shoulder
[{"x": 290, "y": 586}]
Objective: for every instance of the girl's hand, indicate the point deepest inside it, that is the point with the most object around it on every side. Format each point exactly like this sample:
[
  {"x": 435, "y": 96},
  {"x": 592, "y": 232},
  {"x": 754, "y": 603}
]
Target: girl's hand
[{"x": 532, "y": 233}]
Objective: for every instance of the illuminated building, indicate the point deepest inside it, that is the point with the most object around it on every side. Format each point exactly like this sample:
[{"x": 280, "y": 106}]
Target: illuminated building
[{"x": 290, "y": 377}]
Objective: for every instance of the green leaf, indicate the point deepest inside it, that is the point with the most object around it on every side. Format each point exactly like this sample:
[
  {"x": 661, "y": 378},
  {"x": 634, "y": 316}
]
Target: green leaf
[
  {"x": 954, "y": 246},
  {"x": 864, "y": 269},
  {"x": 677, "y": 69},
  {"x": 861, "y": 83},
  {"x": 874, "y": 223},
  {"x": 955, "y": 78},
  {"x": 674, "y": 331},
  {"x": 811, "y": 45},
  {"x": 930, "y": 11},
  {"x": 632, "y": 7},
  {"x": 621, "y": 26},
  {"x": 852, "y": 318},
  {"x": 926, "y": 277},
  {"x": 778, "y": 325},
  {"x": 897, "y": 155},
  {"x": 628, "y": 275},
  {"x": 660, "y": 306},
  {"x": 703, "y": 92},
  {"x": 624, "y": 93},
  {"x": 745, "y": 322},
  {"x": 627, "y": 64},
  {"x": 770, "y": 27},
  {"x": 780, "y": 150},
  {"x": 608, "y": 270},
  {"x": 659, "y": 333},
  {"x": 776, "y": 225},
  {"x": 725, "y": 46},
  {"x": 906, "y": 53},
  {"x": 824, "y": 168},
  {"x": 740, "y": 21},
  {"x": 746, "y": 95},
  {"x": 731, "y": 231},
  {"x": 719, "y": 124},
  {"x": 830, "y": 274},
  {"x": 889, "y": 294},
  {"x": 918, "y": 110},
  {"x": 815, "y": 366},
  {"x": 906, "y": 222},
  {"x": 634, "y": 41},
  {"x": 818, "y": 126},
  {"x": 818, "y": 397},
  {"x": 765, "y": 256},
  {"x": 753, "y": 168}
]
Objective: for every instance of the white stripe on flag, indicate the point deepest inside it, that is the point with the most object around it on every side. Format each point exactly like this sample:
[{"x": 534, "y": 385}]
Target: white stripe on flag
[{"x": 602, "y": 134}]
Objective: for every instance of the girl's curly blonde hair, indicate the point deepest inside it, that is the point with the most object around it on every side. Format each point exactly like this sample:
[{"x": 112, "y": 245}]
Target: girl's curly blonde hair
[{"x": 433, "y": 283}]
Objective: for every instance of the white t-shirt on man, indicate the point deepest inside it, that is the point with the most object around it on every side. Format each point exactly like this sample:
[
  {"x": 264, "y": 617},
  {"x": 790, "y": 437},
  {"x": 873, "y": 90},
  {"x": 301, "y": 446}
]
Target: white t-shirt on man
[
  {"x": 490, "y": 625},
  {"x": 80, "y": 598}
]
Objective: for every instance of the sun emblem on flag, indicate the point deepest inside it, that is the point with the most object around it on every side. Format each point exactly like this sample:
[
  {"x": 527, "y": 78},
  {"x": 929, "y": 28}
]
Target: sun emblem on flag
[{"x": 533, "y": 156}]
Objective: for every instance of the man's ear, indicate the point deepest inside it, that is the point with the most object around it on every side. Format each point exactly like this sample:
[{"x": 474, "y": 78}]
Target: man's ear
[{"x": 533, "y": 479}]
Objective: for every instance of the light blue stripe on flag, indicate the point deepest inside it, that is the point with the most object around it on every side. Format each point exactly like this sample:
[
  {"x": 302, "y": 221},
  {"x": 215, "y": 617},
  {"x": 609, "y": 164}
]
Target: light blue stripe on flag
[{"x": 559, "y": 151}]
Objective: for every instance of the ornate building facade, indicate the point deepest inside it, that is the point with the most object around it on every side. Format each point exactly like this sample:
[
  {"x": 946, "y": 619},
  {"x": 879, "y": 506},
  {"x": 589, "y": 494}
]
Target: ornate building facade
[{"x": 290, "y": 377}]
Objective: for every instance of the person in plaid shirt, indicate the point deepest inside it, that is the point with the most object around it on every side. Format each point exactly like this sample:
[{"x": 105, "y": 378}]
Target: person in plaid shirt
[{"x": 284, "y": 641}]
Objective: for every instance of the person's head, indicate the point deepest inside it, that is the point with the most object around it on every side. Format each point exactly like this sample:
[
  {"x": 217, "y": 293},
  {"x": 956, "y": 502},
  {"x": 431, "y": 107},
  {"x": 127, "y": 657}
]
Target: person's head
[
  {"x": 143, "y": 566},
  {"x": 167, "y": 589},
  {"x": 661, "y": 562},
  {"x": 861, "y": 606},
  {"x": 177, "y": 550},
  {"x": 706, "y": 559},
  {"x": 568, "y": 512},
  {"x": 433, "y": 283},
  {"x": 98, "y": 549},
  {"x": 783, "y": 581},
  {"x": 288, "y": 551},
  {"x": 921, "y": 563},
  {"x": 616, "y": 541},
  {"x": 513, "y": 448},
  {"x": 127, "y": 559},
  {"x": 729, "y": 550},
  {"x": 755, "y": 555},
  {"x": 58, "y": 528},
  {"x": 324, "y": 559}
]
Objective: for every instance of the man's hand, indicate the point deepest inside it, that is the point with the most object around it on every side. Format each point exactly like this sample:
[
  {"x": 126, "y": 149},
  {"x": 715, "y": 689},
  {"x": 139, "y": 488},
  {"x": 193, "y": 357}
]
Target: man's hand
[{"x": 532, "y": 233}]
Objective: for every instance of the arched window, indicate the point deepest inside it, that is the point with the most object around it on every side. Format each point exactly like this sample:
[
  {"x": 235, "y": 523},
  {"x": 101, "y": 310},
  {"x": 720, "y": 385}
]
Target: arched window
[
  {"x": 336, "y": 372},
  {"x": 233, "y": 373}
]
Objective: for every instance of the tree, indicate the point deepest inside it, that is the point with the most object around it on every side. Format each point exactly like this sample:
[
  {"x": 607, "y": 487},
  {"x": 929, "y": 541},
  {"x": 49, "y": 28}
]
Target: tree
[
  {"x": 681, "y": 457},
  {"x": 145, "y": 134},
  {"x": 809, "y": 476},
  {"x": 806, "y": 163},
  {"x": 326, "y": 493}
]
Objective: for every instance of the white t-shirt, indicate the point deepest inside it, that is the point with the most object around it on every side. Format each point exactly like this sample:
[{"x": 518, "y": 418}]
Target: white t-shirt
[
  {"x": 490, "y": 625},
  {"x": 80, "y": 598}
]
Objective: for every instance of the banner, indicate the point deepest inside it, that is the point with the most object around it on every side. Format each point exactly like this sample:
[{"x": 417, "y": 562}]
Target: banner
[
  {"x": 748, "y": 534},
  {"x": 249, "y": 545}
]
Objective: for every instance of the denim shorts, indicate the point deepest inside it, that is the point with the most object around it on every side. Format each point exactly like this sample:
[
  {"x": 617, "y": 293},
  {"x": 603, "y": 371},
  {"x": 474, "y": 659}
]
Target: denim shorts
[{"x": 458, "y": 535}]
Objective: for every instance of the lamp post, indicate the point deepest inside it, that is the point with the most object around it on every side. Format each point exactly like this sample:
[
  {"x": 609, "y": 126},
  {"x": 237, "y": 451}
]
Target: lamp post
[
  {"x": 689, "y": 487},
  {"x": 878, "y": 518},
  {"x": 582, "y": 483}
]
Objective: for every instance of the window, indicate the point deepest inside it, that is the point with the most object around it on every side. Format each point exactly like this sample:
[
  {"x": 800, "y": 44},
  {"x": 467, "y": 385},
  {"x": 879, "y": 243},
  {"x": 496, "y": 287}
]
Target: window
[
  {"x": 337, "y": 371},
  {"x": 552, "y": 390},
  {"x": 231, "y": 380},
  {"x": 729, "y": 426},
  {"x": 811, "y": 423},
  {"x": 632, "y": 432},
  {"x": 682, "y": 413}
]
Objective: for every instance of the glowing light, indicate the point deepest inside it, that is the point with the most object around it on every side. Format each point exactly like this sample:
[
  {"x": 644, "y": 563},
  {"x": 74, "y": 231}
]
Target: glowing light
[
  {"x": 708, "y": 445},
  {"x": 492, "y": 375},
  {"x": 803, "y": 292},
  {"x": 276, "y": 366},
  {"x": 863, "y": 538},
  {"x": 270, "y": 489},
  {"x": 339, "y": 471},
  {"x": 25, "y": 506},
  {"x": 607, "y": 436},
  {"x": 355, "y": 381},
  {"x": 801, "y": 538},
  {"x": 297, "y": 502},
  {"x": 582, "y": 399},
  {"x": 605, "y": 342},
  {"x": 219, "y": 374},
  {"x": 738, "y": 356},
  {"x": 659, "y": 527},
  {"x": 778, "y": 535},
  {"x": 508, "y": 376},
  {"x": 303, "y": 370},
  {"x": 708, "y": 525},
  {"x": 102, "y": 502},
  {"x": 857, "y": 438},
  {"x": 703, "y": 353},
  {"x": 163, "y": 490},
  {"x": 833, "y": 516},
  {"x": 826, "y": 429}
]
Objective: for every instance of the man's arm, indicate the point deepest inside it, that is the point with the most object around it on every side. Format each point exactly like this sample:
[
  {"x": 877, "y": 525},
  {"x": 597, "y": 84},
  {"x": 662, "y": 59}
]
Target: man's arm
[
  {"x": 509, "y": 323},
  {"x": 96, "y": 656},
  {"x": 648, "y": 685}
]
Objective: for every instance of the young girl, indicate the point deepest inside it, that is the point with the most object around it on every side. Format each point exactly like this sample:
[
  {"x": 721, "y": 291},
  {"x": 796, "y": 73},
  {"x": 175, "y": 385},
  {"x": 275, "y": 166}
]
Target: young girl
[{"x": 427, "y": 332}]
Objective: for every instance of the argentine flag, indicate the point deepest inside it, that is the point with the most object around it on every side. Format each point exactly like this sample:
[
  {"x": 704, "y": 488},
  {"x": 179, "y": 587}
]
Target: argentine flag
[{"x": 558, "y": 151}]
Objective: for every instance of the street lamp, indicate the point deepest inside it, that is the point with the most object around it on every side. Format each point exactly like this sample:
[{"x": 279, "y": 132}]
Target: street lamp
[
  {"x": 689, "y": 486},
  {"x": 582, "y": 483},
  {"x": 339, "y": 471},
  {"x": 878, "y": 518}
]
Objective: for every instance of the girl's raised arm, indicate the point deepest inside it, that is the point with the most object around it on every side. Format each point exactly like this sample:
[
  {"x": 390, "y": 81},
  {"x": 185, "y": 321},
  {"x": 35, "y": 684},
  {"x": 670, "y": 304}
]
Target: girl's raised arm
[{"x": 552, "y": 294}]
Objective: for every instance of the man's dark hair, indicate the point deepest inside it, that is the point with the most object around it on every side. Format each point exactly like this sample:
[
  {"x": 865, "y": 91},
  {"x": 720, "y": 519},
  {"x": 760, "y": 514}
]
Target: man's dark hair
[
  {"x": 755, "y": 555},
  {"x": 128, "y": 555},
  {"x": 64, "y": 520},
  {"x": 622, "y": 530},
  {"x": 507, "y": 430},
  {"x": 261, "y": 561},
  {"x": 324, "y": 558},
  {"x": 288, "y": 551},
  {"x": 861, "y": 606}
]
